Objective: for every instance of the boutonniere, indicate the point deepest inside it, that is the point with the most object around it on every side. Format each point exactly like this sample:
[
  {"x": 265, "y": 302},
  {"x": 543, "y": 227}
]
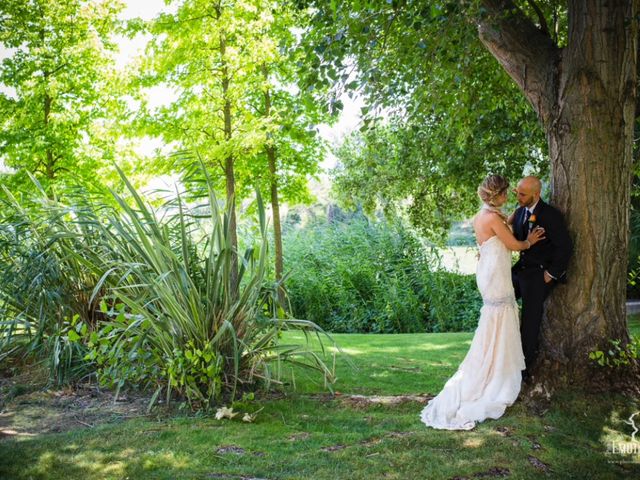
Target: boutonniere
[{"x": 532, "y": 219}]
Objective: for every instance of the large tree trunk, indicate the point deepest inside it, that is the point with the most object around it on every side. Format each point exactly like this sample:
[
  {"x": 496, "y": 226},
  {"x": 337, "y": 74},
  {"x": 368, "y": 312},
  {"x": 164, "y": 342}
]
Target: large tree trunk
[{"x": 584, "y": 95}]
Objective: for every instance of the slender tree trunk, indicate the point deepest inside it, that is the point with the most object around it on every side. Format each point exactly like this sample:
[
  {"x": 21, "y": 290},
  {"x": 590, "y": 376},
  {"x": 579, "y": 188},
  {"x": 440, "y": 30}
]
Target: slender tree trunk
[
  {"x": 50, "y": 160},
  {"x": 584, "y": 95},
  {"x": 277, "y": 229},
  {"x": 275, "y": 203},
  {"x": 49, "y": 168},
  {"x": 230, "y": 183}
]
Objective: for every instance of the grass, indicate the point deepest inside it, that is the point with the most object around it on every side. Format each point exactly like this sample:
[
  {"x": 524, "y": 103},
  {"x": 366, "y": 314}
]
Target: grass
[
  {"x": 389, "y": 364},
  {"x": 308, "y": 435},
  {"x": 633, "y": 321}
]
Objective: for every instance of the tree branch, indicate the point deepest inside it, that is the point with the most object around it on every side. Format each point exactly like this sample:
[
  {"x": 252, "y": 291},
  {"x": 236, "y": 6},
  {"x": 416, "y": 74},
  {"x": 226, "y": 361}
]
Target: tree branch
[
  {"x": 543, "y": 22},
  {"x": 55, "y": 70},
  {"x": 527, "y": 54}
]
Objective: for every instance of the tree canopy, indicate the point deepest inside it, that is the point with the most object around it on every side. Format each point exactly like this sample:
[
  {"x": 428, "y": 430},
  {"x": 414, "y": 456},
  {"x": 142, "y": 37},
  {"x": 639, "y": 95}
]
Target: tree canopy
[
  {"x": 440, "y": 114},
  {"x": 59, "y": 99}
]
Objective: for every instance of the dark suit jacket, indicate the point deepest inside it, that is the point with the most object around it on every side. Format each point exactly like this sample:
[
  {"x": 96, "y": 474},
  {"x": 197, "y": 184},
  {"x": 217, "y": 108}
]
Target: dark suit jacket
[{"x": 552, "y": 253}]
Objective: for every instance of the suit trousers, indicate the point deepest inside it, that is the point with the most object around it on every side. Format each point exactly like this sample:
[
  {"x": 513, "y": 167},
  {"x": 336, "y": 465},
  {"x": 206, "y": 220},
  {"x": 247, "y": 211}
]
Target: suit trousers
[{"x": 529, "y": 285}]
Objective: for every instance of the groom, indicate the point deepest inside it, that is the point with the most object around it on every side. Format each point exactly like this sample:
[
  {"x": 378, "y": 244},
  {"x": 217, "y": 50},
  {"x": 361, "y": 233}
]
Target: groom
[{"x": 540, "y": 267}]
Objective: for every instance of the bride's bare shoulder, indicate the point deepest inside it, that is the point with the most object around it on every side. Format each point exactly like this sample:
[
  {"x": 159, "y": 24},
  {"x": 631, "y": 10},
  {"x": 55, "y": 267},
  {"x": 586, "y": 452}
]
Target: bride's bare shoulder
[{"x": 487, "y": 216}]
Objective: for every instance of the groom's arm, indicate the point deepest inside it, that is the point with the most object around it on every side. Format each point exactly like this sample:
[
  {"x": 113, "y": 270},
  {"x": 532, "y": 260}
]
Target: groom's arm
[{"x": 561, "y": 244}]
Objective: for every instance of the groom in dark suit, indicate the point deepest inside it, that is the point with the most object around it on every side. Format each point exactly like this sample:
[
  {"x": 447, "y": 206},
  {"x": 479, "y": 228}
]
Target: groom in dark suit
[{"x": 541, "y": 267}]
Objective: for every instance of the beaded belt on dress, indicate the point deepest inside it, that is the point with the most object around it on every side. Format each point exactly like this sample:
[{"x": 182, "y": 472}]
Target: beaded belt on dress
[{"x": 499, "y": 302}]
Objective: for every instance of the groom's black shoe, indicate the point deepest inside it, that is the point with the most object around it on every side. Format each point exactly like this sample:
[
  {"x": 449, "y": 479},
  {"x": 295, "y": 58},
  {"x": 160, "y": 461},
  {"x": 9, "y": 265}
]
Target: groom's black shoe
[{"x": 526, "y": 376}]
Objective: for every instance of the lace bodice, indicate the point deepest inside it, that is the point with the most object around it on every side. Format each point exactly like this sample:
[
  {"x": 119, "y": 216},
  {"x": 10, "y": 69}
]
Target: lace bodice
[{"x": 493, "y": 273}]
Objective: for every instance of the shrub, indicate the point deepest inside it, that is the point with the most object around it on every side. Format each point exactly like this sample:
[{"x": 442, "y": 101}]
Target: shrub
[
  {"x": 168, "y": 316},
  {"x": 357, "y": 275},
  {"x": 178, "y": 322},
  {"x": 453, "y": 301},
  {"x": 43, "y": 289},
  {"x": 618, "y": 354}
]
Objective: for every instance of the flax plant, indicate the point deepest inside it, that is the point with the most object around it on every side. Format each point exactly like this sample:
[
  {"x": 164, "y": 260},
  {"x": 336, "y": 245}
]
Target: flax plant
[
  {"x": 174, "y": 309},
  {"x": 142, "y": 295}
]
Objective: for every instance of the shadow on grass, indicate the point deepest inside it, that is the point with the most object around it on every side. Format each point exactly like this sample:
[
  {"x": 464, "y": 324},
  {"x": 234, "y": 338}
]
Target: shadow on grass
[{"x": 299, "y": 438}]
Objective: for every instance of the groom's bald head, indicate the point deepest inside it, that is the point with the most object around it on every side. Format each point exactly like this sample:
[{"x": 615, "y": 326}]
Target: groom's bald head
[
  {"x": 528, "y": 191},
  {"x": 531, "y": 183}
]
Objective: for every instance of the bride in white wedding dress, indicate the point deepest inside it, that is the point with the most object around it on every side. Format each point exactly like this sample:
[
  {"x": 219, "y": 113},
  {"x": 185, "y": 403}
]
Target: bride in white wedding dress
[{"x": 488, "y": 379}]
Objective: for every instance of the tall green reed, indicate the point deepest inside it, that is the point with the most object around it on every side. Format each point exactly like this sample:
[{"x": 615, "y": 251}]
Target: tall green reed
[{"x": 42, "y": 287}]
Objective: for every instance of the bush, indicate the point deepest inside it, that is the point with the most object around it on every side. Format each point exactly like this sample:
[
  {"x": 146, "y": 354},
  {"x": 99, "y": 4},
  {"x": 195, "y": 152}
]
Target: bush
[
  {"x": 179, "y": 324},
  {"x": 144, "y": 295},
  {"x": 356, "y": 275},
  {"x": 43, "y": 289},
  {"x": 453, "y": 301}
]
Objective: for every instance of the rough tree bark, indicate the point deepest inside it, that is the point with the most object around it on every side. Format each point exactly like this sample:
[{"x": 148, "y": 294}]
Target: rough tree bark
[{"x": 584, "y": 95}]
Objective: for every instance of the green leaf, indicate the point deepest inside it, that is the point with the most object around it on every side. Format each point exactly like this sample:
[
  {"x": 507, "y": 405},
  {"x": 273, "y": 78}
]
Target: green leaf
[{"x": 73, "y": 336}]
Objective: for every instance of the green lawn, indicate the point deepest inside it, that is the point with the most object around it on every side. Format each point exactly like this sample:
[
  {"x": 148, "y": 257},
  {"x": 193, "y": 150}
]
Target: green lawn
[
  {"x": 304, "y": 435},
  {"x": 634, "y": 324},
  {"x": 389, "y": 364}
]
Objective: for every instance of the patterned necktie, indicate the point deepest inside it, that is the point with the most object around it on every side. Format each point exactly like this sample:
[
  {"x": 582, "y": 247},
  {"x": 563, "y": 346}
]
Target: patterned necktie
[{"x": 525, "y": 224}]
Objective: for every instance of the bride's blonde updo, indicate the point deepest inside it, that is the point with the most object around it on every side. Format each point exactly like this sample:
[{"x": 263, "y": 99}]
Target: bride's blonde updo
[{"x": 491, "y": 188}]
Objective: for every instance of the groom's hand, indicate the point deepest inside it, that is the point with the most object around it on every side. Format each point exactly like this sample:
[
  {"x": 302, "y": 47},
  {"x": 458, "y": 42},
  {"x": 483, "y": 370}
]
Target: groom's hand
[{"x": 548, "y": 278}]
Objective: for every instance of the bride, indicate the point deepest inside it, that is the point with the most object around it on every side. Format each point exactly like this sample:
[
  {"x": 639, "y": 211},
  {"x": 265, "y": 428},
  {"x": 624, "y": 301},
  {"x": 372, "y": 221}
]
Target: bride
[{"x": 488, "y": 379}]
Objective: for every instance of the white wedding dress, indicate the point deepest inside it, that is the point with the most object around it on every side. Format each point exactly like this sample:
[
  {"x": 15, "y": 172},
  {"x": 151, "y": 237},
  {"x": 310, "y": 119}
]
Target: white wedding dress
[{"x": 488, "y": 379}]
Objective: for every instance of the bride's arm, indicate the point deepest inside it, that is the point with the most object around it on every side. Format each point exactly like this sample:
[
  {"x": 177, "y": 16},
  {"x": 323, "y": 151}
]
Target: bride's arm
[{"x": 503, "y": 232}]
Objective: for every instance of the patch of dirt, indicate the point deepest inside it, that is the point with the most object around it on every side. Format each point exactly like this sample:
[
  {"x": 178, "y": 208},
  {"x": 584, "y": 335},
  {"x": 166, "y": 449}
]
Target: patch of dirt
[
  {"x": 363, "y": 401},
  {"x": 493, "y": 472},
  {"x": 358, "y": 401},
  {"x": 225, "y": 449},
  {"x": 538, "y": 464},
  {"x": 333, "y": 448},
  {"x": 536, "y": 397},
  {"x": 535, "y": 445},
  {"x": 35, "y": 410},
  {"x": 504, "y": 431},
  {"x": 297, "y": 437},
  {"x": 370, "y": 442}
]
